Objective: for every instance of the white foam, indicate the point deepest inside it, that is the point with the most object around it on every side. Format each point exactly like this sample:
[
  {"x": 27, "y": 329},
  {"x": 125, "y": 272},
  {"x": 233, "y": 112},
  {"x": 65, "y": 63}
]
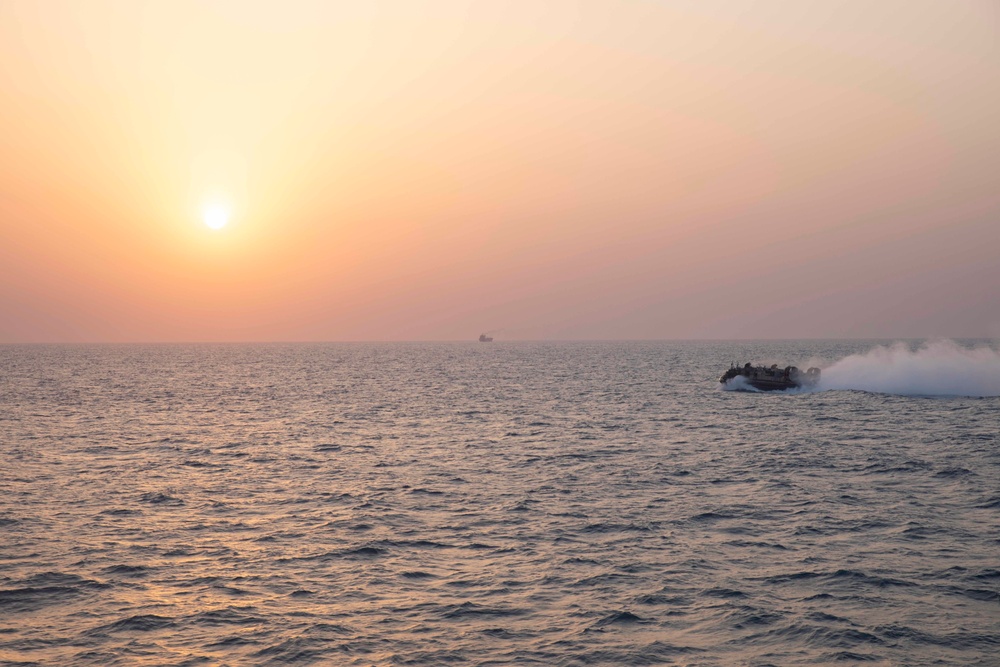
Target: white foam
[
  {"x": 738, "y": 383},
  {"x": 938, "y": 368}
]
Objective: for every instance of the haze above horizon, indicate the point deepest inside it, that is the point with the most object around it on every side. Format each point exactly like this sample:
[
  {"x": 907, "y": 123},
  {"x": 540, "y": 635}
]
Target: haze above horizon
[{"x": 313, "y": 171}]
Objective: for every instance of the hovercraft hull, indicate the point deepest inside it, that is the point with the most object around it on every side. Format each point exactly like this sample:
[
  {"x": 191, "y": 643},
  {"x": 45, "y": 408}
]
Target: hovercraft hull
[{"x": 764, "y": 378}]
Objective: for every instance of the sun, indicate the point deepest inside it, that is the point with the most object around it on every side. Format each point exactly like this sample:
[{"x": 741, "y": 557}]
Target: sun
[{"x": 215, "y": 215}]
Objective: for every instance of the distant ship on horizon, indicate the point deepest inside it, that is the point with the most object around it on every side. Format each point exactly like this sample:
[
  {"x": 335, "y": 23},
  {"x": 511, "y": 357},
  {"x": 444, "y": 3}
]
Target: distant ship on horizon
[{"x": 483, "y": 338}]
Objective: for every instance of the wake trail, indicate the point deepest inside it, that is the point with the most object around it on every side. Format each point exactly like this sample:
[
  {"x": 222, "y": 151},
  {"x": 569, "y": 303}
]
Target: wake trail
[{"x": 938, "y": 368}]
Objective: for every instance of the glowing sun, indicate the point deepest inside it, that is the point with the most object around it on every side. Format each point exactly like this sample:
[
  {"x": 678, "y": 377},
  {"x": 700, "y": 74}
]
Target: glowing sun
[{"x": 215, "y": 215}]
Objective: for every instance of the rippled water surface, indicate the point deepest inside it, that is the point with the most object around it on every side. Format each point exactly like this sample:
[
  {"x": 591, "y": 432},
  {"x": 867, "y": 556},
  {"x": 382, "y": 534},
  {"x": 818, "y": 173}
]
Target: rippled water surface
[{"x": 486, "y": 504}]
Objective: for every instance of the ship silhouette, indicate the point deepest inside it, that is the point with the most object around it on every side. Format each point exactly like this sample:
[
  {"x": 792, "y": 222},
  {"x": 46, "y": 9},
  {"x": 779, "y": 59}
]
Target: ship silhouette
[{"x": 772, "y": 378}]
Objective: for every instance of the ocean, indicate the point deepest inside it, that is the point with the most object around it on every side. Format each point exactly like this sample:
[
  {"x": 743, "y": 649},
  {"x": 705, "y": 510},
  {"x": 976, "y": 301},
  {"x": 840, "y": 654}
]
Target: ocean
[{"x": 508, "y": 503}]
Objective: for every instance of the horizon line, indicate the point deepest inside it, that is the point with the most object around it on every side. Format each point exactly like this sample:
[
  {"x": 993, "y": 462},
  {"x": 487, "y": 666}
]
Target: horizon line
[{"x": 511, "y": 340}]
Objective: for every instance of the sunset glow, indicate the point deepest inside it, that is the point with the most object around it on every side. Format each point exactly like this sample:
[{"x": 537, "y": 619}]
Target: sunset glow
[
  {"x": 428, "y": 171},
  {"x": 215, "y": 215},
  {"x": 511, "y": 332}
]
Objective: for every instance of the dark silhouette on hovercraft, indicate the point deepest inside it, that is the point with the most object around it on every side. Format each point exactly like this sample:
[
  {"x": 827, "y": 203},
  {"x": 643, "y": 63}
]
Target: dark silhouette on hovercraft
[{"x": 772, "y": 378}]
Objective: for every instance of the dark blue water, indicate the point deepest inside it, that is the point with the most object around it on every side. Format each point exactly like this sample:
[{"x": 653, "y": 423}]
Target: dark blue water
[{"x": 488, "y": 504}]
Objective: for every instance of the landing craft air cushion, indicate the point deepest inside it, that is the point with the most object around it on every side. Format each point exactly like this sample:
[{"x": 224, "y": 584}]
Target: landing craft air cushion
[{"x": 772, "y": 378}]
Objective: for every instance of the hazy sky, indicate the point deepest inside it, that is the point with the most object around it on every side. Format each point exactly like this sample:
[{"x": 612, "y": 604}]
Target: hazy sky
[{"x": 432, "y": 170}]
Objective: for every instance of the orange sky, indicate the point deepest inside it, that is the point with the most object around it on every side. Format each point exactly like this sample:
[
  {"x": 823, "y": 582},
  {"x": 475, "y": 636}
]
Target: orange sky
[{"x": 431, "y": 170}]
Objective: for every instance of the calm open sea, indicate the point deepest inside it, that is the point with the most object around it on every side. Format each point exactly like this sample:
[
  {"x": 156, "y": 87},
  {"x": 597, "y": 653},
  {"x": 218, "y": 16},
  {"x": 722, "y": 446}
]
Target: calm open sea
[{"x": 494, "y": 504}]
